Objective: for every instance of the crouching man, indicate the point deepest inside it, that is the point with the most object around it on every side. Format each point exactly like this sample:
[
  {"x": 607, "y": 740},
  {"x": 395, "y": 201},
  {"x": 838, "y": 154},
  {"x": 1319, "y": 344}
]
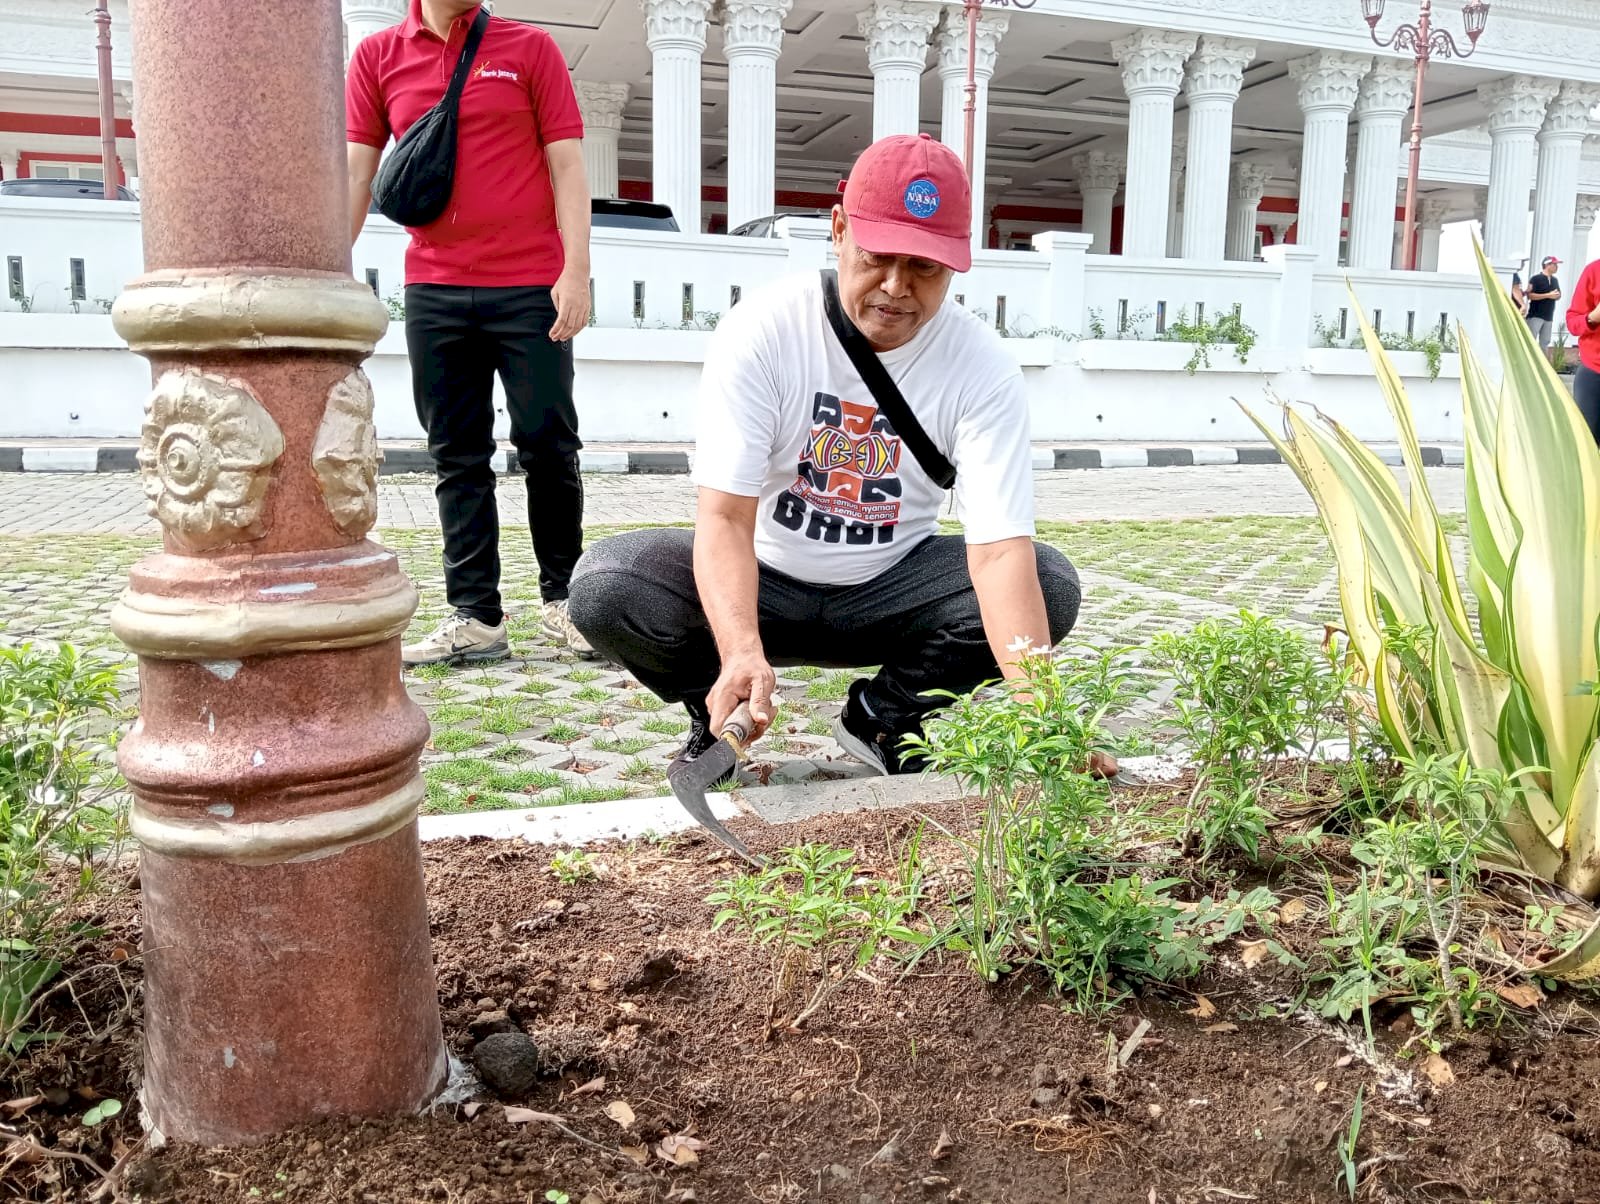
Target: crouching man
[{"x": 825, "y": 426}]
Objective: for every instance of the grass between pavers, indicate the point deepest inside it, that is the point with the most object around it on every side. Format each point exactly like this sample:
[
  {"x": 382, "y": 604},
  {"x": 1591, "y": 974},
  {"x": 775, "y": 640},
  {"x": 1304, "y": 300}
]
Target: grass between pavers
[{"x": 1141, "y": 577}]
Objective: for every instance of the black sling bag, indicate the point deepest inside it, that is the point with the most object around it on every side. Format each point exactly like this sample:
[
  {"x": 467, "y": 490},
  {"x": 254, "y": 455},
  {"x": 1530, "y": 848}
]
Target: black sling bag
[
  {"x": 414, "y": 184},
  {"x": 884, "y": 391}
]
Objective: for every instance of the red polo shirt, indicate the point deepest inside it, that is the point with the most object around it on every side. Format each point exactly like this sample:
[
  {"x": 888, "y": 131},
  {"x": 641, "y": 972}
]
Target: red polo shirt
[
  {"x": 1584, "y": 299},
  {"x": 500, "y": 229}
]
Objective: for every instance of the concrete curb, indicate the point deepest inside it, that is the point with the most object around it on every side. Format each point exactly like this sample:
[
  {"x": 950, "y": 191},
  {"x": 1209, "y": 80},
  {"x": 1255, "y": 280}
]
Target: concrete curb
[{"x": 121, "y": 458}]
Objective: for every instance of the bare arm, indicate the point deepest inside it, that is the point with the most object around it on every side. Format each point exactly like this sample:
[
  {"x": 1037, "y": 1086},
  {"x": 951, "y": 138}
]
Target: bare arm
[
  {"x": 1005, "y": 576},
  {"x": 362, "y": 161},
  {"x": 571, "y": 185},
  {"x": 726, "y": 575}
]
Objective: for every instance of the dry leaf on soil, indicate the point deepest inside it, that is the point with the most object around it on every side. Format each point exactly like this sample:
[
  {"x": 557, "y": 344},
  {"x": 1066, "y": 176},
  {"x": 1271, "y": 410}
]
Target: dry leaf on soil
[
  {"x": 471, "y": 1109},
  {"x": 1292, "y": 910},
  {"x": 590, "y": 1088},
  {"x": 1224, "y": 1027},
  {"x": 523, "y": 1116},
  {"x": 680, "y": 1150},
  {"x": 1438, "y": 1071},
  {"x": 1523, "y": 995},
  {"x": 638, "y": 1153},
  {"x": 621, "y": 1113},
  {"x": 21, "y": 1106},
  {"x": 942, "y": 1147},
  {"x": 1252, "y": 953},
  {"x": 1203, "y": 1008}
]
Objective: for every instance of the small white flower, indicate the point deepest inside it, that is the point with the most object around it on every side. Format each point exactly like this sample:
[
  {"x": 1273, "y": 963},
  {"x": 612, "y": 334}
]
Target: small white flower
[{"x": 1022, "y": 643}]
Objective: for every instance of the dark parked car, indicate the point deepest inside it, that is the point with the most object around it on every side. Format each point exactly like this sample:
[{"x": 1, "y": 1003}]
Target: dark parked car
[
  {"x": 772, "y": 225},
  {"x": 631, "y": 215},
  {"x": 71, "y": 190}
]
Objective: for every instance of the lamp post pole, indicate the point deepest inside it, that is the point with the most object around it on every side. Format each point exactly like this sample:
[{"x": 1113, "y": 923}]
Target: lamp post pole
[
  {"x": 108, "y": 101},
  {"x": 973, "y": 9},
  {"x": 1424, "y": 42}
]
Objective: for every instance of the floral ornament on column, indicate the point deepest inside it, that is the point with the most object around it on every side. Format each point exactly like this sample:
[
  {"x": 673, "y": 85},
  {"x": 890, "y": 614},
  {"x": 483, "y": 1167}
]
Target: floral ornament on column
[
  {"x": 206, "y": 456},
  {"x": 346, "y": 455}
]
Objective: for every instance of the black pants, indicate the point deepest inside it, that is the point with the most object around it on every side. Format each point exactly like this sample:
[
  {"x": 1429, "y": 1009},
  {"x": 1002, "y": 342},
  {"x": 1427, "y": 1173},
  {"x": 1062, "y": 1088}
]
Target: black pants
[
  {"x": 1586, "y": 393},
  {"x": 634, "y": 597},
  {"x": 458, "y": 339}
]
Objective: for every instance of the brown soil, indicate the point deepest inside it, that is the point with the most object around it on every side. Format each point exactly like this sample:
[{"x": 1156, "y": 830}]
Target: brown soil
[{"x": 935, "y": 1087}]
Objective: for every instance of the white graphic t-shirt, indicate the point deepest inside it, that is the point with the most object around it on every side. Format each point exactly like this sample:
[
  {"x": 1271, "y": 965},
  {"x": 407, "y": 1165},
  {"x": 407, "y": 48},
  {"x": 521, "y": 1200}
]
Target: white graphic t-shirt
[{"x": 784, "y": 417}]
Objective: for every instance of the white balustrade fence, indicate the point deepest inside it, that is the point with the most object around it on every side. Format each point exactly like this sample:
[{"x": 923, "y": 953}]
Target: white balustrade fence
[{"x": 1094, "y": 336}]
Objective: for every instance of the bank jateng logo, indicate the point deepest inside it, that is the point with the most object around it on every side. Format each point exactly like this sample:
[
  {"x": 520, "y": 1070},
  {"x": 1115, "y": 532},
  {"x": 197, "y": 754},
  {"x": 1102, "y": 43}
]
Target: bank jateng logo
[
  {"x": 487, "y": 70},
  {"x": 922, "y": 199}
]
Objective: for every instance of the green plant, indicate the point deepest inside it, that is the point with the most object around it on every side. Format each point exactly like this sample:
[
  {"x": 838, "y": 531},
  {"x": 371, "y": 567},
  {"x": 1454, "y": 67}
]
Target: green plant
[
  {"x": 1434, "y": 346},
  {"x": 1327, "y": 333},
  {"x": 1132, "y": 323},
  {"x": 815, "y": 913},
  {"x": 1509, "y": 690},
  {"x": 1231, "y": 816},
  {"x": 1097, "y": 324},
  {"x": 395, "y": 303},
  {"x": 1229, "y": 330},
  {"x": 557, "y": 1197},
  {"x": 55, "y": 791},
  {"x": 101, "y": 1112},
  {"x": 1558, "y": 354},
  {"x": 573, "y": 865},
  {"x": 1349, "y": 1169}
]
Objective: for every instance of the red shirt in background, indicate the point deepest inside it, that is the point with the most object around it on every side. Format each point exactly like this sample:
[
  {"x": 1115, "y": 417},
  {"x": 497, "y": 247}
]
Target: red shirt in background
[
  {"x": 1585, "y": 297},
  {"x": 500, "y": 228}
]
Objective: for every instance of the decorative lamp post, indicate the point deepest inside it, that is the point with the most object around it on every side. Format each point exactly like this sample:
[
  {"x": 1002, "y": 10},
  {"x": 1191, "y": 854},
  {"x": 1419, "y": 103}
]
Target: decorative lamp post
[
  {"x": 973, "y": 8},
  {"x": 1425, "y": 43}
]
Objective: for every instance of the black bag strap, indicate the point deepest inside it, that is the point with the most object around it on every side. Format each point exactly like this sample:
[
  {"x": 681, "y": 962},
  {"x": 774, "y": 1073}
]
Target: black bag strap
[
  {"x": 469, "y": 51},
  {"x": 884, "y": 391}
]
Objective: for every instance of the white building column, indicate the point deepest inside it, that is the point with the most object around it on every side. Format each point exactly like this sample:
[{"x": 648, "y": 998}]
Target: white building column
[
  {"x": 1583, "y": 226},
  {"x": 1381, "y": 107},
  {"x": 1099, "y": 174},
  {"x": 365, "y": 17},
  {"x": 1216, "y": 73},
  {"x": 9, "y": 160},
  {"x": 1279, "y": 223},
  {"x": 1152, "y": 72},
  {"x": 601, "y": 105},
  {"x": 675, "y": 32},
  {"x": 952, "y": 43},
  {"x": 1516, "y": 107},
  {"x": 897, "y": 51},
  {"x": 1180, "y": 165},
  {"x": 1328, "y": 83},
  {"x": 1555, "y": 197},
  {"x": 1431, "y": 217},
  {"x": 752, "y": 37},
  {"x": 1246, "y": 188}
]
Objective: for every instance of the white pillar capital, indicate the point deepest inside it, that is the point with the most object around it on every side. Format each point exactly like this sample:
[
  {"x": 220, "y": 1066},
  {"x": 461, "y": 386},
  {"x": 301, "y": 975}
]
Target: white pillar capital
[
  {"x": 1387, "y": 90},
  {"x": 952, "y": 43},
  {"x": 1518, "y": 103},
  {"x": 754, "y": 27},
  {"x": 1568, "y": 114},
  {"x": 1152, "y": 60},
  {"x": 1433, "y": 212},
  {"x": 1329, "y": 80},
  {"x": 1099, "y": 169},
  {"x": 601, "y": 104},
  {"x": 897, "y": 34},
  {"x": 1216, "y": 72},
  {"x": 1099, "y": 174},
  {"x": 675, "y": 24},
  {"x": 1587, "y": 210},
  {"x": 1249, "y": 182}
]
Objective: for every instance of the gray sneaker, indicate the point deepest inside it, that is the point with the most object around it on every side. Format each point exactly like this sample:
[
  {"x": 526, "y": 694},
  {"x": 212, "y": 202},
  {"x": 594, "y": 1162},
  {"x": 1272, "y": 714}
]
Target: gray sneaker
[
  {"x": 459, "y": 639},
  {"x": 560, "y": 630}
]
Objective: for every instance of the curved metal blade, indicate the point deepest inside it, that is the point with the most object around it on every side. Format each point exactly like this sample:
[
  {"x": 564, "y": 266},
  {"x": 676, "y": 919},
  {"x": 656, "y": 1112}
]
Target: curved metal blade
[{"x": 691, "y": 780}]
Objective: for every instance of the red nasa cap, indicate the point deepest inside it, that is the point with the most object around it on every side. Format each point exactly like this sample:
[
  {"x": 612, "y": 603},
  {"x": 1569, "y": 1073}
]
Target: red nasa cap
[{"x": 908, "y": 195}]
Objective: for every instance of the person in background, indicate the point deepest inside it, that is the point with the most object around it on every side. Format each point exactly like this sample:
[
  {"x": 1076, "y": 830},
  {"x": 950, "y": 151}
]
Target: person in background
[
  {"x": 1583, "y": 322},
  {"x": 1544, "y": 290},
  {"x": 498, "y": 284},
  {"x": 1519, "y": 296}
]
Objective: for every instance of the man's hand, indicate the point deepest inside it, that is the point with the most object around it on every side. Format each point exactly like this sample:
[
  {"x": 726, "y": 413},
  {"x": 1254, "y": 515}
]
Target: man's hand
[
  {"x": 571, "y": 295},
  {"x": 1594, "y": 316},
  {"x": 746, "y": 677},
  {"x": 361, "y": 167}
]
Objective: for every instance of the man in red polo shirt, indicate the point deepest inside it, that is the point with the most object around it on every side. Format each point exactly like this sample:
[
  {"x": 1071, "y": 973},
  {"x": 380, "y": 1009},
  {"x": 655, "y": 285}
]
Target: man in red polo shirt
[{"x": 499, "y": 283}]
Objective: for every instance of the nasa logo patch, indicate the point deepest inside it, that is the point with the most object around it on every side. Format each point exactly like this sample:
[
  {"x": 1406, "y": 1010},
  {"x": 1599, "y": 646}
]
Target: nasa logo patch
[{"x": 922, "y": 199}]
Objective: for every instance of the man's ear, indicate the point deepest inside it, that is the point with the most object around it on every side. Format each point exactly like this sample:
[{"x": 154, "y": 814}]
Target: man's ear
[{"x": 841, "y": 225}]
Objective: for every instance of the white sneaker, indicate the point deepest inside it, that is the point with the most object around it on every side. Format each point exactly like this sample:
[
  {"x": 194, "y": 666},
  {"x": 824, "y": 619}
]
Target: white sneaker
[
  {"x": 560, "y": 630},
  {"x": 460, "y": 638}
]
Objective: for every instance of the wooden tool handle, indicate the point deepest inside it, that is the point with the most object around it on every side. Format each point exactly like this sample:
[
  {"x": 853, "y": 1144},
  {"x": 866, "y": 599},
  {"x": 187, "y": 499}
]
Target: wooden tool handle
[{"x": 740, "y": 727}]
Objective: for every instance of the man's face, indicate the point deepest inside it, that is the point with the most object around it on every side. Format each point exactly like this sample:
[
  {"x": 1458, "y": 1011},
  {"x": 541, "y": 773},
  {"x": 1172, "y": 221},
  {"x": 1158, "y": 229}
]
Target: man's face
[
  {"x": 888, "y": 297},
  {"x": 1549, "y": 267}
]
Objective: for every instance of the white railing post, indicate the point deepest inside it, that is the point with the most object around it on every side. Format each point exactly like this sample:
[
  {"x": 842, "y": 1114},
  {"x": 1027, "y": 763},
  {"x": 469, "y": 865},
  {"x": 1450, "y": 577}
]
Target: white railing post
[
  {"x": 1069, "y": 260},
  {"x": 1296, "y": 294}
]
